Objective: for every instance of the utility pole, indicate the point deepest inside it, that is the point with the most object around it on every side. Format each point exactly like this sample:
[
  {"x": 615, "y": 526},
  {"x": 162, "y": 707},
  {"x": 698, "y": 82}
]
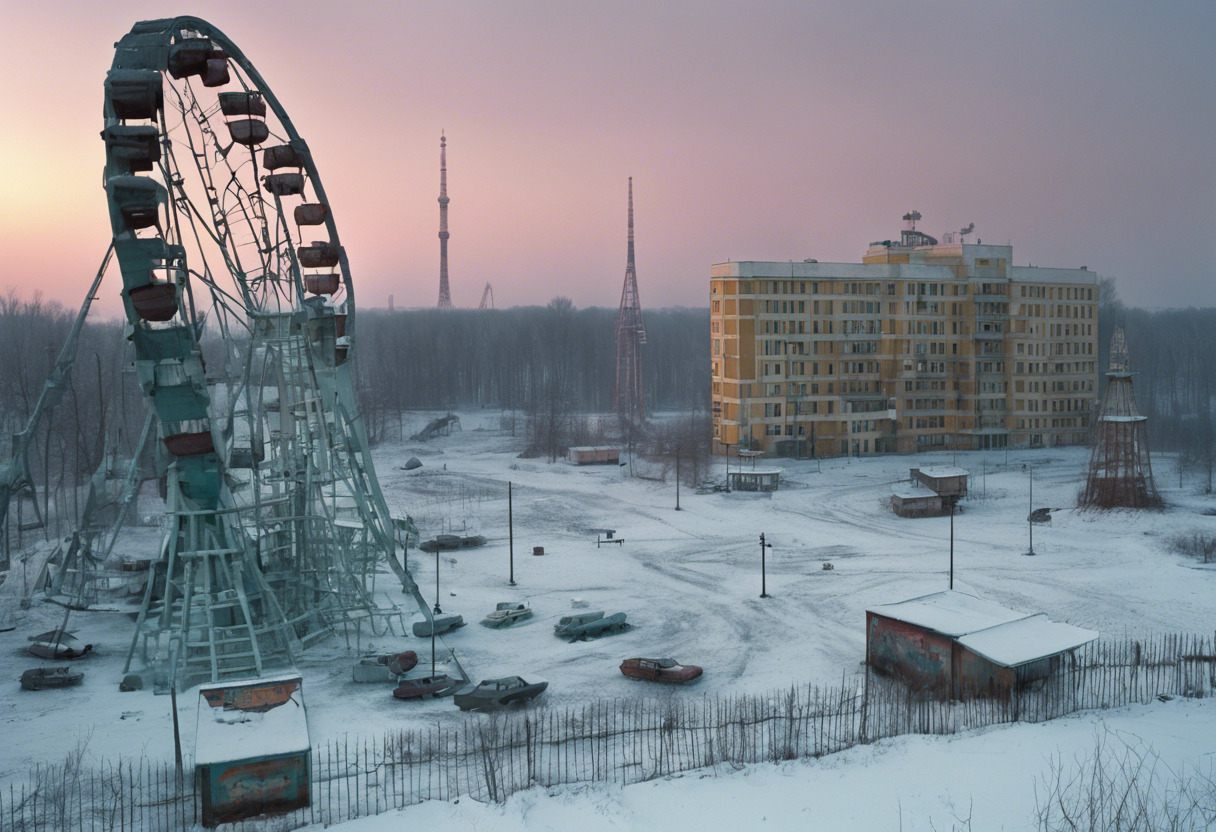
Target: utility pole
[
  {"x": 951, "y": 543},
  {"x": 1030, "y": 516},
  {"x": 511, "y": 534},
  {"x": 677, "y": 477},
  {"x": 763, "y": 567},
  {"x": 437, "y": 610}
]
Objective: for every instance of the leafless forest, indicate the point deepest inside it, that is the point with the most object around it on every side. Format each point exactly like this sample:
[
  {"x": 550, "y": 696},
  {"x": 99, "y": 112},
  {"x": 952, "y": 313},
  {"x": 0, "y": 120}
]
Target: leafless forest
[{"x": 545, "y": 367}]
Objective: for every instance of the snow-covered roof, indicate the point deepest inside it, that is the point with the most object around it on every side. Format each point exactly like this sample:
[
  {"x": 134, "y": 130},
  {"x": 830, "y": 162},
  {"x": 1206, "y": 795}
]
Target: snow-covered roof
[
  {"x": 595, "y": 448},
  {"x": 938, "y": 472},
  {"x": 1026, "y": 640},
  {"x": 758, "y": 472},
  {"x": 912, "y": 492},
  {"x": 951, "y": 613},
  {"x": 228, "y": 732}
]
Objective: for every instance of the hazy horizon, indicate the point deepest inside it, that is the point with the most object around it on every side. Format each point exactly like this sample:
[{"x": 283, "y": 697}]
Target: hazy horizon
[{"x": 767, "y": 131}]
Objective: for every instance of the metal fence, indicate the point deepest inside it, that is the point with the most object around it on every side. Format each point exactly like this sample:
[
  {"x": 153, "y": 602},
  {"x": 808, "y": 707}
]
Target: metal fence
[{"x": 488, "y": 758}]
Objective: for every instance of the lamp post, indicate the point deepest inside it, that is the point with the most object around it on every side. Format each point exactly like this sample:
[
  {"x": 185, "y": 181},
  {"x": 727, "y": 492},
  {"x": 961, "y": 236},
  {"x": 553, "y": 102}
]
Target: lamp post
[
  {"x": 951, "y": 543},
  {"x": 437, "y": 610},
  {"x": 763, "y": 566},
  {"x": 727, "y": 444},
  {"x": 511, "y": 534},
  {"x": 1030, "y": 516},
  {"x": 677, "y": 477}
]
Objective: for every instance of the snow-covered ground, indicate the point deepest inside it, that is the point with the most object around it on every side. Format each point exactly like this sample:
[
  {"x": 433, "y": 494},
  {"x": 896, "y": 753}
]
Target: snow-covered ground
[
  {"x": 983, "y": 780},
  {"x": 689, "y": 581}
]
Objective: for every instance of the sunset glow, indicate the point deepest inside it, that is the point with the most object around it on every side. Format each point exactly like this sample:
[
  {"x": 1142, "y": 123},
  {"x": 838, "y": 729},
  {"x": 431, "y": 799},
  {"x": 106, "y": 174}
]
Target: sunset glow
[{"x": 772, "y": 131}]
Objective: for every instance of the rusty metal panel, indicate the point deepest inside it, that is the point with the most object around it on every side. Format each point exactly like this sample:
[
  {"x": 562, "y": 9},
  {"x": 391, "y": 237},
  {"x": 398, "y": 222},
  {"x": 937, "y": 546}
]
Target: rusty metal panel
[
  {"x": 232, "y": 791},
  {"x": 920, "y": 658},
  {"x": 978, "y": 677}
]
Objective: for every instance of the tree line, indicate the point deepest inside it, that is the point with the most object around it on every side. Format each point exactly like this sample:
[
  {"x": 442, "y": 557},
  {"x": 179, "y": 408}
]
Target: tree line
[
  {"x": 550, "y": 362},
  {"x": 553, "y": 365},
  {"x": 1173, "y": 353}
]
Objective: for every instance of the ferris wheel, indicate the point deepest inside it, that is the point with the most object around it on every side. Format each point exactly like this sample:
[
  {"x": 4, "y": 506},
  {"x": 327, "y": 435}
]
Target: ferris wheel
[{"x": 241, "y": 312}]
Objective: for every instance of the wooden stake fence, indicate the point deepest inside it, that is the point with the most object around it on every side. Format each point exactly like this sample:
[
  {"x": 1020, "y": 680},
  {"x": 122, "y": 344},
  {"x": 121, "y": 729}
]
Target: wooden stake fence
[{"x": 490, "y": 757}]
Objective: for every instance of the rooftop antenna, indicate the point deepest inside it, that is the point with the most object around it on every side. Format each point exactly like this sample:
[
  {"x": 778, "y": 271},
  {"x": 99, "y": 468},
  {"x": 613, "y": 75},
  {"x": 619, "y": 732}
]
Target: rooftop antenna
[
  {"x": 910, "y": 218},
  {"x": 963, "y": 232}
]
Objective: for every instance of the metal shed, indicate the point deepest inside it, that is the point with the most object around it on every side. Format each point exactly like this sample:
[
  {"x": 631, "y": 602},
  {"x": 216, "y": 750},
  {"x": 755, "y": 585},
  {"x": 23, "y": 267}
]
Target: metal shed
[
  {"x": 917, "y": 501},
  {"x": 943, "y": 480},
  {"x": 251, "y": 751},
  {"x": 958, "y": 646},
  {"x": 594, "y": 455}
]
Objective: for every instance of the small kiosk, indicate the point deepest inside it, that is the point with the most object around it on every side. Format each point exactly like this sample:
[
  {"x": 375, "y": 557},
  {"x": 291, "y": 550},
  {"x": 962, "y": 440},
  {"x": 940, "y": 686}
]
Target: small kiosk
[
  {"x": 251, "y": 749},
  {"x": 754, "y": 479}
]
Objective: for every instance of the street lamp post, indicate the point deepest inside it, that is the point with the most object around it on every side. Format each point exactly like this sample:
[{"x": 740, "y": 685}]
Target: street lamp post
[
  {"x": 677, "y": 477},
  {"x": 1030, "y": 516},
  {"x": 511, "y": 534},
  {"x": 763, "y": 567},
  {"x": 952, "y": 543}
]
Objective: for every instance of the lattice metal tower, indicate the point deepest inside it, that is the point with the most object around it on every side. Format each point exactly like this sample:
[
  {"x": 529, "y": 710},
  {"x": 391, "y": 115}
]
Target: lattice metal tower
[
  {"x": 1120, "y": 471},
  {"x": 630, "y": 336},
  {"x": 445, "y": 294}
]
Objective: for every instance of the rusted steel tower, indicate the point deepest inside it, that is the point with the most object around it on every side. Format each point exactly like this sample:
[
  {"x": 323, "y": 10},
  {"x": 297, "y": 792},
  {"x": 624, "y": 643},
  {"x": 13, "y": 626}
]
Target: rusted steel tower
[
  {"x": 630, "y": 336},
  {"x": 1120, "y": 471},
  {"x": 445, "y": 294}
]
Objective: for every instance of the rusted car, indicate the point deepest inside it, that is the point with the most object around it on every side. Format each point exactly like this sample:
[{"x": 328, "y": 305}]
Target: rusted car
[
  {"x": 660, "y": 670},
  {"x": 497, "y": 694},
  {"x": 590, "y": 625},
  {"x": 384, "y": 668},
  {"x": 50, "y": 677},
  {"x": 436, "y": 686},
  {"x": 506, "y": 614}
]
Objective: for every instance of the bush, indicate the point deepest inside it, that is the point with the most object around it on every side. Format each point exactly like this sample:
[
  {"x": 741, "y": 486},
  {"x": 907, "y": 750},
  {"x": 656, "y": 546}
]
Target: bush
[
  {"x": 1123, "y": 788},
  {"x": 1197, "y": 544}
]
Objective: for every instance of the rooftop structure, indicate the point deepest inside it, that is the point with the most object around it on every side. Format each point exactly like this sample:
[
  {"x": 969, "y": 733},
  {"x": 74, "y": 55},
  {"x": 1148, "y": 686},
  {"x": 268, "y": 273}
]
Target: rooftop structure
[{"x": 923, "y": 345}]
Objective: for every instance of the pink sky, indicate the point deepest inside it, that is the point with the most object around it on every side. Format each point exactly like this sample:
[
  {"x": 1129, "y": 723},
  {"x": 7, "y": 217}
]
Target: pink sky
[{"x": 1081, "y": 132}]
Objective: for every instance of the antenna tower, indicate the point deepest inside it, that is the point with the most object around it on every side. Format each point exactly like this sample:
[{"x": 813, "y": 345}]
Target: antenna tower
[
  {"x": 487, "y": 297},
  {"x": 445, "y": 294},
  {"x": 630, "y": 336},
  {"x": 1120, "y": 471}
]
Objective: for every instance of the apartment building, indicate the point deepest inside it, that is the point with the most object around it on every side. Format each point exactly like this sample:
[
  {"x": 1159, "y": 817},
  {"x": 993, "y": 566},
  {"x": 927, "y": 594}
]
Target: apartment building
[{"x": 923, "y": 345}]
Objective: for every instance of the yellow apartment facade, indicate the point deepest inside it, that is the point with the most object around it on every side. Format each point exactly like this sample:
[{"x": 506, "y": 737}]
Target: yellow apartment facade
[{"x": 921, "y": 346}]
